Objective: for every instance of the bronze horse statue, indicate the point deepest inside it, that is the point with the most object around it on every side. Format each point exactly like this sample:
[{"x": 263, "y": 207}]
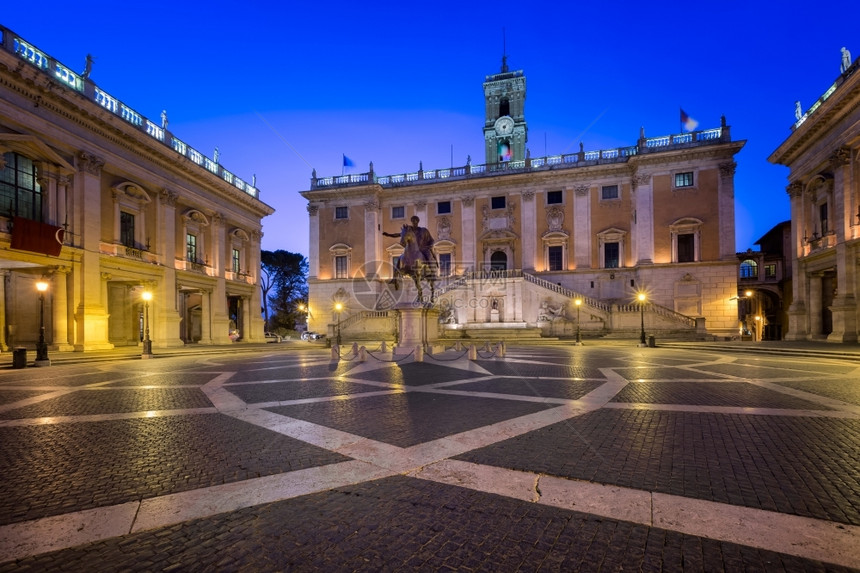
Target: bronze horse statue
[{"x": 414, "y": 263}]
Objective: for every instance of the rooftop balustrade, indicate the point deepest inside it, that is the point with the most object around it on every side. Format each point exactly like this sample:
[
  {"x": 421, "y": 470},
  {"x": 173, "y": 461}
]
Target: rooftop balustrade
[
  {"x": 646, "y": 145},
  {"x": 27, "y": 52}
]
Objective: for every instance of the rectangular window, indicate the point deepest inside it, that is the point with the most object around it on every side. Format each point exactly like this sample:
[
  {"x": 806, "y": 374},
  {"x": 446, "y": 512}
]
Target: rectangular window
[
  {"x": 553, "y": 197},
  {"x": 191, "y": 248},
  {"x": 443, "y": 207},
  {"x": 555, "y": 254},
  {"x": 770, "y": 271},
  {"x": 611, "y": 258},
  {"x": 686, "y": 248},
  {"x": 609, "y": 192},
  {"x": 497, "y": 202},
  {"x": 236, "y": 261},
  {"x": 398, "y": 212},
  {"x": 822, "y": 213},
  {"x": 340, "y": 270},
  {"x": 126, "y": 229},
  {"x": 445, "y": 264},
  {"x": 341, "y": 212},
  {"x": 20, "y": 192},
  {"x": 684, "y": 179}
]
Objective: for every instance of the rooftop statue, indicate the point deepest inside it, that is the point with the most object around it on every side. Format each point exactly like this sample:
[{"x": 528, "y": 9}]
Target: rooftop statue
[{"x": 846, "y": 60}]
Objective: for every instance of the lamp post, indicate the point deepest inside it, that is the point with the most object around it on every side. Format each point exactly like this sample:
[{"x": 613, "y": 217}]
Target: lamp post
[
  {"x": 578, "y": 303},
  {"x": 41, "y": 346},
  {"x": 338, "y": 307},
  {"x": 641, "y": 298},
  {"x": 147, "y": 343}
]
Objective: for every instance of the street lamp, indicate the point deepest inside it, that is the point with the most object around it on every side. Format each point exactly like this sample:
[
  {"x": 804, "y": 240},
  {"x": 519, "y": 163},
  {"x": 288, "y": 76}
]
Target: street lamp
[
  {"x": 578, "y": 303},
  {"x": 641, "y": 298},
  {"x": 338, "y": 307},
  {"x": 41, "y": 346},
  {"x": 147, "y": 343}
]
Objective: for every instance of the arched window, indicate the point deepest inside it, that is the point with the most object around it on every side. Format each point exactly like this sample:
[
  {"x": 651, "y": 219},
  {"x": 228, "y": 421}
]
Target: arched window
[
  {"x": 499, "y": 261},
  {"x": 749, "y": 269}
]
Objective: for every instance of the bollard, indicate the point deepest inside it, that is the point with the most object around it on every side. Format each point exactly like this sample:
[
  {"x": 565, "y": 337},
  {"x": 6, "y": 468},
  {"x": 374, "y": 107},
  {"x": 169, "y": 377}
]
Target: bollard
[
  {"x": 19, "y": 357},
  {"x": 419, "y": 353},
  {"x": 362, "y": 354},
  {"x": 355, "y": 348},
  {"x": 500, "y": 350},
  {"x": 384, "y": 348},
  {"x": 651, "y": 342},
  {"x": 335, "y": 352},
  {"x": 473, "y": 352}
]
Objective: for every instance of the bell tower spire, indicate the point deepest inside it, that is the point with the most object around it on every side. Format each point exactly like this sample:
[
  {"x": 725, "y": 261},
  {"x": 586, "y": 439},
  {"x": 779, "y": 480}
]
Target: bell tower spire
[{"x": 505, "y": 129}]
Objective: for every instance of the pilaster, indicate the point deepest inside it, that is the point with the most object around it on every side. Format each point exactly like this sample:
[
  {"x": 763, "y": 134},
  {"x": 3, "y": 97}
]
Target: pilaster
[
  {"x": 528, "y": 229},
  {"x": 727, "y": 210},
  {"x": 91, "y": 317},
  {"x": 582, "y": 236},
  {"x": 643, "y": 235}
]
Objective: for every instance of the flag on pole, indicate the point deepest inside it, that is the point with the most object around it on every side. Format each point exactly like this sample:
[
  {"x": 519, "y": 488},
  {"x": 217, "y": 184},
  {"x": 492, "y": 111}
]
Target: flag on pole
[
  {"x": 688, "y": 122},
  {"x": 347, "y": 162}
]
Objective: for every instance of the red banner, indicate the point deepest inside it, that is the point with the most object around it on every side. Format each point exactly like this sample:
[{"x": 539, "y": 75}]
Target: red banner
[{"x": 36, "y": 237}]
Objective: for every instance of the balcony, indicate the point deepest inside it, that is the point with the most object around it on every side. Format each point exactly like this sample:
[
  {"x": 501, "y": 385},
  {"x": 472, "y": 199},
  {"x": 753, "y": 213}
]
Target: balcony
[{"x": 136, "y": 252}]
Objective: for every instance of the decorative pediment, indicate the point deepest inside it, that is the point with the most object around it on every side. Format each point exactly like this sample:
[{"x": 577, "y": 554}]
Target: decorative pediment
[
  {"x": 132, "y": 191},
  {"x": 239, "y": 234},
  {"x": 35, "y": 149},
  {"x": 195, "y": 216}
]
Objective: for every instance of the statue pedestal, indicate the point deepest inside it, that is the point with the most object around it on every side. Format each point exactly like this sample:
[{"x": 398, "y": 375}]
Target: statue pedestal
[
  {"x": 417, "y": 326},
  {"x": 494, "y": 315}
]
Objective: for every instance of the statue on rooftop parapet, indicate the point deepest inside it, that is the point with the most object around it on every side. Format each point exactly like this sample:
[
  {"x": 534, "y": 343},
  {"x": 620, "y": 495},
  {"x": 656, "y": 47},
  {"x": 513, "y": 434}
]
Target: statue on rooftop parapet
[
  {"x": 846, "y": 60},
  {"x": 89, "y": 67},
  {"x": 164, "y": 119},
  {"x": 217, "y": 155},
  {"x": 798, "y": 113}
]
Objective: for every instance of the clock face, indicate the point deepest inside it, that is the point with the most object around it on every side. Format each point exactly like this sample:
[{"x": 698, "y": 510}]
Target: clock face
[{"x": 504, "y": 125}]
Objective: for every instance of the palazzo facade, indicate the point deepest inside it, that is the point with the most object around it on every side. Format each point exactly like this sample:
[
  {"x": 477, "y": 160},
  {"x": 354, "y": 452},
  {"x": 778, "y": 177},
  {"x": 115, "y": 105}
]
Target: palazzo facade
[
  {"x": 824, "y": 189},
  {"x": 104, "y": 204},
  {"x": 519, "y": 240}
]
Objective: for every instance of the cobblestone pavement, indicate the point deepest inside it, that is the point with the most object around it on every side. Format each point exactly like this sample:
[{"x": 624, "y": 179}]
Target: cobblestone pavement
[{"x": 592, "y": 458}]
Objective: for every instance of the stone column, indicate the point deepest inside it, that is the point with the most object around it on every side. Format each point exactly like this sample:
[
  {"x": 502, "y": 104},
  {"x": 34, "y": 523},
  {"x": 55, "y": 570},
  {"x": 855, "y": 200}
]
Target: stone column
[
  {"x": 528, "y": 230},
  {"x": 582, "y": 236},
  {"x": 205, "y": 317},
  {"x": 726, "y": 203},
  {"x": 61, "y": 319},
  {"x": 643, "y": 235},
  {"x": 815, "y": 307},
  {"x": 168, "y": 319},
  {"x": 798, "y": 328},
  {"x": 313, "y": 242},
  {"x": 4, "y": 275},
  {"x": 470, "y": 258},
  {"x": 117, "y": 227},
  {"x": 256, "y": 300},
  {"x": 91, "y": 317},
  {"x": 372, "y": 239},
  {"x": 219, "y": 243},
  {"x": 844, "y": 308}
]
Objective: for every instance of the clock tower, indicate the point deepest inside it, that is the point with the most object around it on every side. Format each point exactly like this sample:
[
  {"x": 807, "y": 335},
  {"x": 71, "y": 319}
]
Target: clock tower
[{"x": 505, "y": 130}]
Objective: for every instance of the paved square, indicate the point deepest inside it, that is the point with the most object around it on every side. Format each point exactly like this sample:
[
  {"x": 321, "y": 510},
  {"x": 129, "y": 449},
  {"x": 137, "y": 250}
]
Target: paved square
[{"x": 601, "y": 457}]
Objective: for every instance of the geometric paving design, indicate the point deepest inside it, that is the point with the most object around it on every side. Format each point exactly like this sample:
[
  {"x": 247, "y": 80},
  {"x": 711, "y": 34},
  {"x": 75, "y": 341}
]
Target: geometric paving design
[{"x": 560, "y": 458}]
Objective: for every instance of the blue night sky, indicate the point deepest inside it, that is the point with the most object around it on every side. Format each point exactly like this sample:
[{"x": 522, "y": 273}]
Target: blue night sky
[{"x": 282, "y": 87}]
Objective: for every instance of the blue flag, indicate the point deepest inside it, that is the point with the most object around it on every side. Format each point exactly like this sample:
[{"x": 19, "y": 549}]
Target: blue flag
[{"x": 347, "y": 162}]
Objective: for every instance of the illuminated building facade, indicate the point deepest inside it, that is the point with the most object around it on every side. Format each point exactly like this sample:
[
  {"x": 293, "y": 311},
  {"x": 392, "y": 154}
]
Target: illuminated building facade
[
  {"x": 105, "y": 204},
  {"x": 520, "y": 239},
  {"x": 824, "y": 190}
]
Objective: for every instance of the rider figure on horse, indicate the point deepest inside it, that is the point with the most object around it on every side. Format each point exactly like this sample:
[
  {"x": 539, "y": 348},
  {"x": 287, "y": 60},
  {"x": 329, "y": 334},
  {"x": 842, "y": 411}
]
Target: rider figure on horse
[{"x": 424, "y": 241}]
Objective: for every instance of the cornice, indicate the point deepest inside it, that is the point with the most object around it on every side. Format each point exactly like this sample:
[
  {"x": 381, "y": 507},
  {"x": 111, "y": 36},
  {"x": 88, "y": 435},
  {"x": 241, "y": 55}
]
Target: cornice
[{"x": 107, "y": 130}]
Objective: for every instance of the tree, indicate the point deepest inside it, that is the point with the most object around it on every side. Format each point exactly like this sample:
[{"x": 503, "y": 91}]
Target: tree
[{"x": 284, "y": 288}]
